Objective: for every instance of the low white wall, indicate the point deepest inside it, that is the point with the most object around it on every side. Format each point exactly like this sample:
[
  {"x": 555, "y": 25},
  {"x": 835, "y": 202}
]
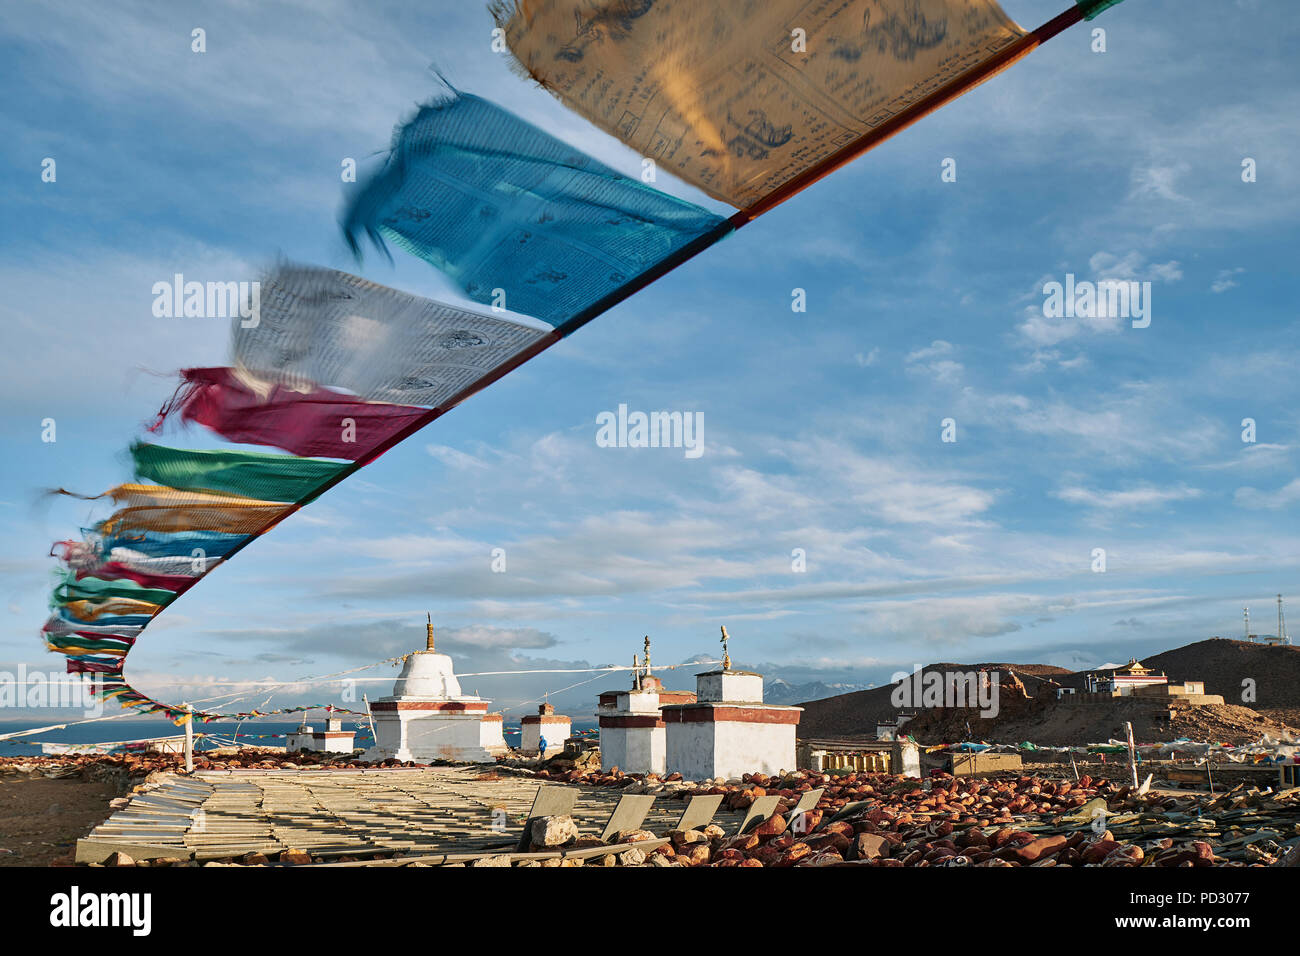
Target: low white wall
[
  {"x": 555, "y": 734},
  {"x": 435, "y": 736},
  {"x": 726, "y": 686},
  {"x": 633, "y": 749},
  {"x": 492, "y": 736},
  {"x": 729, "y": 749}
]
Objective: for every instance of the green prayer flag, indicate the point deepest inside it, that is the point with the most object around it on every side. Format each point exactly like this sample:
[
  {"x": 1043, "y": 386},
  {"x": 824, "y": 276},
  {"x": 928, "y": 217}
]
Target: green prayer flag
[{"x": 261, "y": 475}]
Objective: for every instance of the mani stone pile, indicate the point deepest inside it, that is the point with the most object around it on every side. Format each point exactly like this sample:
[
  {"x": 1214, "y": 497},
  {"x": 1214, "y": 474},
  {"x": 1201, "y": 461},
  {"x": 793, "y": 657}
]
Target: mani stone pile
[
  {"x": 859, "y": 819},
  {"x": 872, "y": 819},
  {"x": 91, "y": 766}
]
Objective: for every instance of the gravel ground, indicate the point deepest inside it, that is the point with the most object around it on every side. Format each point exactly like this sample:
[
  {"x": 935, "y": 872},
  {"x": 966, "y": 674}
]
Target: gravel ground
[{"x": 41, "y": 819}]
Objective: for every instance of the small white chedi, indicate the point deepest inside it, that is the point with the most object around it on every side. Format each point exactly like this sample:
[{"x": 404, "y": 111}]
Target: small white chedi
[
  {"x": 427, "y": 717},
  {"x": 544, "y": 732},
  {"x": 333, "y": 739},
  {"x": 727, "y": 730},
  {"x": 722, "y": 730}
]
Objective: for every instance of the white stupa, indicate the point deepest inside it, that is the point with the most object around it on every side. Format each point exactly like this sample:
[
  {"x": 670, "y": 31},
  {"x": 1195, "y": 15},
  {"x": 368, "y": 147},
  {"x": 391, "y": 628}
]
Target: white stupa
[
  {"x": 428, "y": 718},
  {"x": 727, "y": 730}
]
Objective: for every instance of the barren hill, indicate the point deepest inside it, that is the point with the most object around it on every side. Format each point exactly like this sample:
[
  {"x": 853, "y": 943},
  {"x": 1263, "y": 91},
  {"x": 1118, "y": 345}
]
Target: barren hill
[
  {"x": 1224, "y": 666},
  {"x": 1045, "y": 722},
  {"x": 856, "y": 714}
]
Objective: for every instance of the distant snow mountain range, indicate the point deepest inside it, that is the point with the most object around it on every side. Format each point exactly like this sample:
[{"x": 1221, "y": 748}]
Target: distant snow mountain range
[{"x": 778, "y": 691}]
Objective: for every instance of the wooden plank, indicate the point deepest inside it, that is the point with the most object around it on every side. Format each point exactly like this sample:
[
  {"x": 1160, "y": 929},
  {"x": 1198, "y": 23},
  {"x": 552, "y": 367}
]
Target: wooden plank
[
  {"x": 549, "y": 802},
  {"x": 808, "y": 800},
  {"x": 629, "y": 813},
  {"x": 586, "y": 852},
  {"x": 699, "y": 811},
  {"x": 759, "y": 810},
  {"x": 233, "y": 852},
  {"x": 97, "y": 851}
]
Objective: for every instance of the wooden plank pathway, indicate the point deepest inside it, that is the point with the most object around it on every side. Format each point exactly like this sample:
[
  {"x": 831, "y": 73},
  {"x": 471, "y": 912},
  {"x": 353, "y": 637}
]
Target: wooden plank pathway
[{"x": 429, "y": 812}]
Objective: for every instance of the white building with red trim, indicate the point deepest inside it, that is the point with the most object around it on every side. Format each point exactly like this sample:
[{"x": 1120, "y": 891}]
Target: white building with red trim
[
  {"x": 334, "y": 739},
  {"x": 727, "y": 730},
  {"x": 428, "y": 718},
  {"x": 632, "y": 734},
  {"x": 1125, "y": 681},
  {"x": 546, "y": 725}
]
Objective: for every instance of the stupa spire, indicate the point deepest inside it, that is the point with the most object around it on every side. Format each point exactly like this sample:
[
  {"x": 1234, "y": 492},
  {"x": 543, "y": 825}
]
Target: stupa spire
[{"x": 428, "y": 635}]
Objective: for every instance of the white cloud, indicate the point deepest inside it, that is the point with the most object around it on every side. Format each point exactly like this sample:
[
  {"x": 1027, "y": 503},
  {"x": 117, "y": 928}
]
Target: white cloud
[
  {"x": 1225, "y": 281},
  {"x": 1133, "y": 267},
  {"x": 1042, "y": 358},
  {"x": 934, "y": 362},
  {"x": 1253, "y": 455},
  {"x": 1142, "y": 497},
  {"x": 936, "y": 349},
  {"x": 1283, "y": 497},
  {"x": 1159, "y": 182},
  {"x": 869, "y": 359},
  {"x": 455, "y": 459},
  {"x": 1040, "y": 332},
  {"x": 1124, "y": 426}
]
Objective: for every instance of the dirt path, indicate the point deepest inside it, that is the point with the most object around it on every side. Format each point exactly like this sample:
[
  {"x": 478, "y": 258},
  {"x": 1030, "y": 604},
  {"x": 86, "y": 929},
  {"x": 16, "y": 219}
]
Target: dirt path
[{"x": 41, "y": 819}]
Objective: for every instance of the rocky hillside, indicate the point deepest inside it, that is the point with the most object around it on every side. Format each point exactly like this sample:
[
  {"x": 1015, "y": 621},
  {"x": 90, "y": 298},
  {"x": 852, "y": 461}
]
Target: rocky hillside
[
  {"x": 1226, "y": 667},
  {"x": 856, "y": 714},
  {"x": 1045, "y": 722}
]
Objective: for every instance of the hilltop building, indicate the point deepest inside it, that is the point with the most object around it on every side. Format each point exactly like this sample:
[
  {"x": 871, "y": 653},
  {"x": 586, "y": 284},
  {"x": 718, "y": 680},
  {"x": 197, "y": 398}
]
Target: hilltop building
[
  {"x": 1279, "y": 639},
  {"x": 1134, "y": 680},
  {"x": 1123, "y": 680},
  {"x": 888, "y": 728}
]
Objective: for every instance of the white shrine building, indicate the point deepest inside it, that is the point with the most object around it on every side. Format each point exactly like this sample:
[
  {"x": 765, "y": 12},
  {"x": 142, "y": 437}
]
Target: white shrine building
[
  {"x": 1125, "y": 681},
  {"x": 722, "y": 730},
  {"x": 334, "y": 739},
  {"x": 632, "y": 730},
  {"x": 727, "y": 730},
  {"x": 427, "y": 717},
  {"x": 545, "y": 725}
]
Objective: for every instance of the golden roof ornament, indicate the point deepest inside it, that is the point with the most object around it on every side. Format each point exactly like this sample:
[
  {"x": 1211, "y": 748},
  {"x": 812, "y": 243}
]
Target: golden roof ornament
[{"x": 726, "y": 654}]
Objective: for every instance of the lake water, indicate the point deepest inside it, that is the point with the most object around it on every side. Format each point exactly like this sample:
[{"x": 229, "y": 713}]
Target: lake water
[{"x": 267, "y": 733}]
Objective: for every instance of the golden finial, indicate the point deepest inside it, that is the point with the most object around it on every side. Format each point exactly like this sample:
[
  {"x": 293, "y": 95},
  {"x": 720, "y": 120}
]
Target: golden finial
[
  {"x": 647, "y": 655},
  {"x": 726, "y": 655},
  {"x": 428, "y": 634}
]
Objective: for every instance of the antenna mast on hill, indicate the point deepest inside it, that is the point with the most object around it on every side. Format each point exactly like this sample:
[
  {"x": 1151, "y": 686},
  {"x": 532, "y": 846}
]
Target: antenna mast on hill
[
  {"x": 1281, "y": 623},
  {"x": 1246, "y": 614}
]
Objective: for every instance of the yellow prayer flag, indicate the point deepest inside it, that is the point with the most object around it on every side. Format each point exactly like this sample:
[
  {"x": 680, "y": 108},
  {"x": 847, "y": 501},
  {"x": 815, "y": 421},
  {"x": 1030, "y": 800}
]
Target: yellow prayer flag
[
  {"x": 741, "y": 97},
  {"x": 91, "y": 611},
  {"x": 157, "y": 508}
]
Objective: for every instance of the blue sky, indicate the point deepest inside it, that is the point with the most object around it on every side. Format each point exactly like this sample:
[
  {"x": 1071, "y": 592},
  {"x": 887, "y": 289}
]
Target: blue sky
[{"x": 822, "y": 429}]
